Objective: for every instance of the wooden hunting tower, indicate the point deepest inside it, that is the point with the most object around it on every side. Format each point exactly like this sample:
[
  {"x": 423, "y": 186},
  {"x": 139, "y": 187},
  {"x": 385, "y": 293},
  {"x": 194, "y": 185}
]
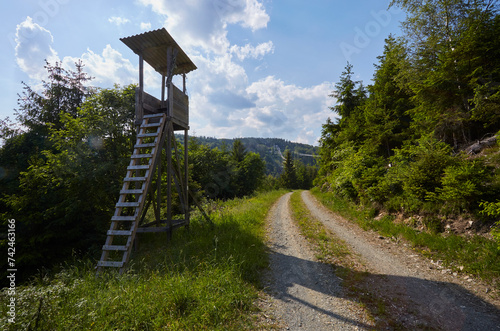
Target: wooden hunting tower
[{"x": 156, "y": 121}]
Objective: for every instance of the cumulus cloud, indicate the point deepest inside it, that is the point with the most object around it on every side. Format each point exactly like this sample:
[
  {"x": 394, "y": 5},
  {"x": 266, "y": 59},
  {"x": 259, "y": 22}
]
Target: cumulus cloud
[
  {"x": 290, "y": 111},
  {"x": 107, "y": 68},
  {"x": 249, "y": 51},
  {"x": 33, "y": 47},
  {"x": 223, "y": 102},
  {"x": 118, "y": 20},
  {"x": 145, "y": 26},
  {"x": 203, "y": 23},
  {"x": 266, "y": 108},
  {"x": 249, "y": 13}
]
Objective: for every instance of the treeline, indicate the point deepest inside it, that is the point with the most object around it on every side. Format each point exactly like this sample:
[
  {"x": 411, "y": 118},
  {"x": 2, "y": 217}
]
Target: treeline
[
  {"x": 228, "y": 172},
  {"x": 399, "y": 144},
  {"x": 271, "y": 150}
]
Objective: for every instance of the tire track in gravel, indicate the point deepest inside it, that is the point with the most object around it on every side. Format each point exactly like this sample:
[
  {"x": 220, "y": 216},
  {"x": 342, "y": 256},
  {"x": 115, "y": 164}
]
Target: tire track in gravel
[
  {"x": 304, "y": 294},
  {"x": 422, "y": 297}
]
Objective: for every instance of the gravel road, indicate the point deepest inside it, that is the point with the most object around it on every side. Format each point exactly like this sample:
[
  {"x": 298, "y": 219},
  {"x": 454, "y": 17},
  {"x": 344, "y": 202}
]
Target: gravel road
[{"x": 306, "y": 295}]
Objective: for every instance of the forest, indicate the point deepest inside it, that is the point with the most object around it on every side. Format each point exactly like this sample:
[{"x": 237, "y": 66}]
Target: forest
[{"x": 420, "y": 140}]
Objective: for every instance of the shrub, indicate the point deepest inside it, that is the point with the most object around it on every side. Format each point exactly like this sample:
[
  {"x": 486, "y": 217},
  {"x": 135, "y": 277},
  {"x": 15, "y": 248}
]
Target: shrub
[
  {"x": 493, "y": 209},
  {"x": 463, "y": 185},
  {"x": 416, "y": 171}
]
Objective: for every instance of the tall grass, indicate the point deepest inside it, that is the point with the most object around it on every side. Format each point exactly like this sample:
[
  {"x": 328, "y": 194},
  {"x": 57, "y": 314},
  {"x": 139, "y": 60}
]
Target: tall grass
[
  {"x": 202, "y": 278},
  {"x": 477, "y": 255}
]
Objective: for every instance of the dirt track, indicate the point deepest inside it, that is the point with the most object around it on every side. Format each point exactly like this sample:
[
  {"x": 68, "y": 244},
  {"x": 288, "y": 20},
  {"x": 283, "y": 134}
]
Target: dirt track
[{"x": 305, "y": 294}]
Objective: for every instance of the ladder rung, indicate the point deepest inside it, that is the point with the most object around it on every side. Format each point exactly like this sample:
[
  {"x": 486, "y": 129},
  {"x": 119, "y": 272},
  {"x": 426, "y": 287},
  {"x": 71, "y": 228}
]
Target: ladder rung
[
  {"x": 153, "y": 115},
  {"x": 145, "y": 135},
  {"x": 151, "y": 125},
  {"x": 141, "y": 156},
  {"x": 123, "y": 218},
  {"x": 134, "y": 179},
  {"x": 119, "y": 233},
  {"x": 127, "y": 204},
  {"x": 138, "y": 167},
  {"x": 145, "y": 145},
  {"x": 114, "y": 264},
  {"x": 131, "y": 191},
  {"x": 114, "y": 248}
]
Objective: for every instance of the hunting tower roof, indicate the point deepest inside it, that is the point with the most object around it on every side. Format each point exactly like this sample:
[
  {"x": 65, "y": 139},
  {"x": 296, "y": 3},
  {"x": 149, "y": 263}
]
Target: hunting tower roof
[{"x": 153, "y": 45}]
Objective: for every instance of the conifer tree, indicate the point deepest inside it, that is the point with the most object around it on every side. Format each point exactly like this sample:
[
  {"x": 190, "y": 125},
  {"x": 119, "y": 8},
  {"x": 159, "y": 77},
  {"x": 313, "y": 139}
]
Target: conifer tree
[{"x": 288, "y": 177}]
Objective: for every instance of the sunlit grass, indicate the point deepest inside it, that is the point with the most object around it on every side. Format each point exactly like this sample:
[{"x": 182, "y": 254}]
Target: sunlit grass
[{"x": 206, "y": 277}]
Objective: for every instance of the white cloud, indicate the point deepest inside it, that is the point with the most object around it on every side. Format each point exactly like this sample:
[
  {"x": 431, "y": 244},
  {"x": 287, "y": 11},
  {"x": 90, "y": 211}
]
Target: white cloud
[
  {"x": 249, "y": 51},
  {"x": 266, "y": 108},
  {"x": 107, "y": 68},
  {"x": 203, "y": 23},
  {"x": 118, "y": 20},
  {"x": 290, "y": 111},
  {"x": 249, "y": 13},
  {"x": 33, "y": 47},
  {"x": 145, "y": 26},
  {"x": 223, "y": 102}
]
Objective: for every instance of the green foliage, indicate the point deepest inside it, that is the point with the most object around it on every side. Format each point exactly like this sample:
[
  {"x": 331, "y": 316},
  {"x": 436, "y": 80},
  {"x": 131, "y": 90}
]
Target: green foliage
[
  {"x": 420, "y": 166},
  {"x": 493, "y": 209},
  {"x": 452, "y": 68},
  {"x": 289, "y": 177},
  {"x": 65, "y": 198},
  {"x": 387, "y": 124},
  {"x": 238, "y": 152},
  {"x": 223, "y": 175},
  {"x": 295, "y": 175},
  {"x": 464, "y": 184},
  {"x": 349, "y": 94},
  {"x": 63, "y": 93},
  {"x": 305, "y": 175},
  {"x": 435, "y": 92},
  {"x": 269, "y": 150}
]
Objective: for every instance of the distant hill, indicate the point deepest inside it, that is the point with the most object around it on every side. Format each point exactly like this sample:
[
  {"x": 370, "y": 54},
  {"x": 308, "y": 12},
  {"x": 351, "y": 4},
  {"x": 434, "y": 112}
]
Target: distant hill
[{"x": 270, "y": 150}]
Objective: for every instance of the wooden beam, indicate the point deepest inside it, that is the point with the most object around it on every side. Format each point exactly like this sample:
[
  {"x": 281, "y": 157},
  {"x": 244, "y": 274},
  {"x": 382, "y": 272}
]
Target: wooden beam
[
  {"x": 139, "y": 110},
  {"x": 186, "y": 168},
  {"x": 163, "y": 91},
  {"x": 158, "y": 191},
  {"x": 169, "y": 171},
  {"x": 184, "y": 83}
]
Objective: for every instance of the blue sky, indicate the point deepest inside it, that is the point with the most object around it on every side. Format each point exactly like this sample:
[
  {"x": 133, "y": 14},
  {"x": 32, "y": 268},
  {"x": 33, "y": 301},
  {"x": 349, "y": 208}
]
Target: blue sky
[{"x": 265, "y": 68}]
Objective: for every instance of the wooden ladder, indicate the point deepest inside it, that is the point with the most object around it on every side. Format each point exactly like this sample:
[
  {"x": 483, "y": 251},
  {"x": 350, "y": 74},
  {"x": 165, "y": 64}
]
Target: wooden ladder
[{"x": 129, "y": 208}]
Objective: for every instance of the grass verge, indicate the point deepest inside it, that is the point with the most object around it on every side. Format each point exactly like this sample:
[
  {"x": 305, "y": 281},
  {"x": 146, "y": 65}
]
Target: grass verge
[
  {"x": 204, "y": 278},
  {"x": 477, "y": 255},
  {"x": 332, "y": 250}
]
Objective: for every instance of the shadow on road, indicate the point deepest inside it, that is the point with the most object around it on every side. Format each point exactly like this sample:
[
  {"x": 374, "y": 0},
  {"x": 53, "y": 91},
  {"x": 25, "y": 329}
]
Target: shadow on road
[{"x": 408, "y": 302}]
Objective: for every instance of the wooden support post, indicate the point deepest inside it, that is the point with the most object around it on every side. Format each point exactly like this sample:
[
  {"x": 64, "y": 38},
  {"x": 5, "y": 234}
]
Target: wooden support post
[
  {"x": 184, "y": 83},
  {"x": 186, "y": 175},
  {"x": 158, "y": 192},
  {"x": 170, "y": 98},
  {"x": 169, "y": 173},
  {"x": 163, "y": 91},
  {"x": 139, "y": 112},
  {"x": 158, "y": 180}
]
